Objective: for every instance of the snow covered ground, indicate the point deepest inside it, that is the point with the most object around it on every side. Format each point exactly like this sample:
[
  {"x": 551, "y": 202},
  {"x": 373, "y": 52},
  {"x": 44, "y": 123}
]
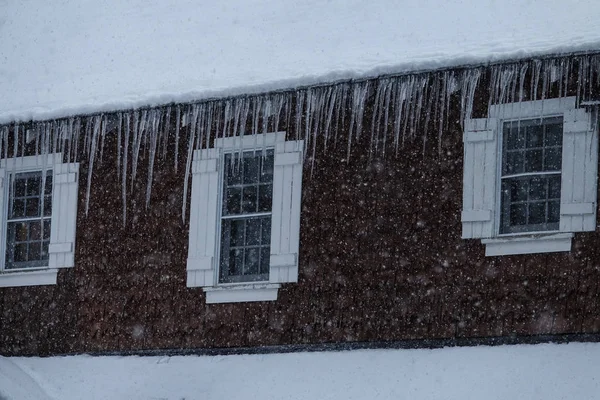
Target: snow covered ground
[
  {"x": 76, "y": 56},
  {"x": 544, "y": 372}
]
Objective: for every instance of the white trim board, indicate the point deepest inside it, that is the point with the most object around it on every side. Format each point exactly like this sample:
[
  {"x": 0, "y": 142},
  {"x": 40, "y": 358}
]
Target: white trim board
[
  {"x": 242, "y": 293},
  {"x": 29, "y": 278},
  {"x": 528, "y": 244}
]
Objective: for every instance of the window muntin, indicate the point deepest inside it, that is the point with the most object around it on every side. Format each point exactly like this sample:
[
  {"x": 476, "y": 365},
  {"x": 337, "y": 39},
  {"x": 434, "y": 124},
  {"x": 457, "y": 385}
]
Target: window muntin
[
  {"x": 246, "y": 216},
  {"x": 531, "y": 175},
  {"x": 28, "y": 220}
]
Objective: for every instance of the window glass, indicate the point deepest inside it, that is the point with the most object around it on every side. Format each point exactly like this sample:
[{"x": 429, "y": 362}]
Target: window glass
[
  {"x": 29, "y": 220},
  {"x": 531, "y": 175},
  {"x": 246, "y": 217}
]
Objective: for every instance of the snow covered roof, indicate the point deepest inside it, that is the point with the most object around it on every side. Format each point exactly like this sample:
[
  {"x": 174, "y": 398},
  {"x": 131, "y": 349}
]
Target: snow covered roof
[
  {"x": 77, "y": 56},
  {"x": 549, "y": 372}
]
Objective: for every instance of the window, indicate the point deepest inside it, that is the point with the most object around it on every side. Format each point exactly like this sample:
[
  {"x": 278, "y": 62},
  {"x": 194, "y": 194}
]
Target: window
[
  {"x": 245, "y": 217},
  {"x": 531, "y": 169},
  {"x": 29, "y": 219},
  {"x": 39, "y": 206},
  {"x": 529, "y": 177}
]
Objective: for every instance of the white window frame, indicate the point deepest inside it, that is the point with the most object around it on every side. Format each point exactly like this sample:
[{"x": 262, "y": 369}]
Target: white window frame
[
  {"x": 205, "y": 217},
  {"x": 482, "y": 220},
  {"x": 64, "y": 214}
]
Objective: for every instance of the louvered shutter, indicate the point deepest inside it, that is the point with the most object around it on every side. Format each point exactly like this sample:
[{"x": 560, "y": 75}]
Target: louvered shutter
[
  {"x": 479, "y": 177},
  {"x": 65, "y": 179},
  {"x": 579, "y": 172},
  {"x": 3, "y": 188},
  {"x": 201, "y": 263},
  {"x": 285, "y": 223}
]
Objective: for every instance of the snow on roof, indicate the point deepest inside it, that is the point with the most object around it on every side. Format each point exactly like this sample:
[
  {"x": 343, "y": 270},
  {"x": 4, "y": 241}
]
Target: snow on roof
[
  {"x": 77, "y": 56},
  {"x": 548, "y": 372}
]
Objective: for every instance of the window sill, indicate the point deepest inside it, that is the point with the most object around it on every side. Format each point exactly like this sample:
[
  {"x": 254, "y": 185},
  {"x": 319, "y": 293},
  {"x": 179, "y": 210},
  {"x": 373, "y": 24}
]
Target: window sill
[
  {"x": 533, "y": 244},
  {"x": 28, "y": 278},
  {"x": 241, "y": 293}
]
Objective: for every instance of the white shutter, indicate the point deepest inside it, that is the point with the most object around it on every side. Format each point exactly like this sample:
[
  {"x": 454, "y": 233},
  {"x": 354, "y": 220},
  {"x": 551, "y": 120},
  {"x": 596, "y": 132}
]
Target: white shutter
[
  {"x": 579, "y": 172},
  {"x": 285, "y": 223},
  {"x": 201, "y": 262},
  {"x": 3, "y": 188},
  {"x": 479, "y": 177},
  {"x": 64, "y": 215}
]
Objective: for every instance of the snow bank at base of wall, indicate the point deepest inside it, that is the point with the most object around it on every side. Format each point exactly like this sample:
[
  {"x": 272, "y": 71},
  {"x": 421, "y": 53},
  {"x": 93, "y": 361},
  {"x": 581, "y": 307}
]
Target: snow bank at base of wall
[
  {"x": 75, "y": 57},
  {"x": 548, "y": 372}
]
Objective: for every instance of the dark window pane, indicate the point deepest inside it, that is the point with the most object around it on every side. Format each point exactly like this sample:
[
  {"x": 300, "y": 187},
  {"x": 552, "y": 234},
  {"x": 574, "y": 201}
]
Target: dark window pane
[
  {"x": 537, "y": 213},
  {"x": 537, "y": 189},
  {"x": 44, "y": 254},
  {"x": 253, "y": 232},
  {"x": 21, "y": 231},
  {"x": 515, "y": 139},
  {"x": 232, "y": 201},
  {"x": 265, "y": 198},
  {"x": 514, "y": 163},
  {"x": 48, "y": 206},
  {"x": 20, "y": 252},
  {"x": 35, "y": 230},
  {"x": 553, "y": 211},
  {"x": 251, "y": 168},
  {"x": 266, "y": 173},
  {"x": 518, "y": 190},
  {"x": 265, "y": 255},
  {"x": 20, "y": 187},
  {"x": 234, "y": 172},
  {"x": 249, "y": 200},
  {"x": 552, "y": 161},
  {"x": 32, "y": 207},
  {"x": 33, "y": 186},
  {"x": 533, "y": 160},
  {"x": 48, "y": 188},
  {"x": 554, "y": 187},
  {"x": 236, "y": 261},
  {"x": 535, "y": 136},
  {"x": 35, "y": 249},
  {"x": 251, "y": 262},
  {"x": 518, "y": 214},
  {"x": 237, "y": 232},
  {"x": 553, "y": 135},
  {"x": 266, "y": 231},
  {"x": 47, "y": 229},
  {"x": 18, "y": 209}
]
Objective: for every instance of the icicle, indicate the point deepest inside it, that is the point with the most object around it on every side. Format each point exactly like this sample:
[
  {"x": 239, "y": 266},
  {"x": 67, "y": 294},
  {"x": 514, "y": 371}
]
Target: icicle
[
  {"x": 166, "y": 131},
  {"x": 125, "y": 158},
  {"x": 237, "y": 109},
  {"x": 5, "y": 141},
  {"x": 308, "y": 118},
  {"x": 103, "y": 136},
  {"x": 137, "y": 143},
  {"x": 177, "y": 127},
  {"x": 16, "y": 142},
  {"x": 376, "y": 117},
  {"x": 470, "y": 82},
  {"x": 256, "y": 114},
  {"x": 154, "y": 132},
  {"x": 318, "y": 106},
  {"x": 279, "y": 101},
  {"x": 300, "y": 95},
  {"x": 227, "y": 118},
  {"x": 119, "y": 129},
  {"x": 92, "y": 156},
  {"x": 359, "y": 96},
  {"x": 330, "y": 110},
  {"x": 189, "y": 158}
]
